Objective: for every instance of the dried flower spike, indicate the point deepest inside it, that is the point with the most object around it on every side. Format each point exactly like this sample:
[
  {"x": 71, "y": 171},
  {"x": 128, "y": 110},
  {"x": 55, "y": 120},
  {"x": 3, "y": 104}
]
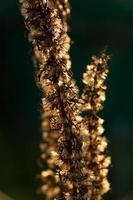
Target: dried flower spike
[
  {"x": 72, "y": 147},
  {"x": 62, "y": 141},
  {"x": 63, "y": 7},
  {"x": 92, "y": 101}
]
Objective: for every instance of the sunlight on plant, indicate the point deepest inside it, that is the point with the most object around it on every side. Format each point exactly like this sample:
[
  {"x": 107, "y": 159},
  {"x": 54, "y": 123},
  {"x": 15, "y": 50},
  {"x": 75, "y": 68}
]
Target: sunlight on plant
[{"x": 73, "y": 146}]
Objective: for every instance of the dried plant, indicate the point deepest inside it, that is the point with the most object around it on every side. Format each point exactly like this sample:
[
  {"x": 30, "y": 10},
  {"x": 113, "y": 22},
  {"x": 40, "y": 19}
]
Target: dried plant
[
  {"x": 75, "y": 165},
  {"x": 63, "y": 8},
  {"x": 91, "y": 102}
]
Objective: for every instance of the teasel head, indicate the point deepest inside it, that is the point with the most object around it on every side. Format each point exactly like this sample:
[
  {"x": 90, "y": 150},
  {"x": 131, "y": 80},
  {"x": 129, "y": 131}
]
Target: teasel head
[{"x": 92, "y": 100}]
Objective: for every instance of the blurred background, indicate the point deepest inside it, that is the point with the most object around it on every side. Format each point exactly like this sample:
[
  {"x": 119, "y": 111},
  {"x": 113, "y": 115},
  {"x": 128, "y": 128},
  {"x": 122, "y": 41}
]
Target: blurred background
[{"x": 94, "y": 24}]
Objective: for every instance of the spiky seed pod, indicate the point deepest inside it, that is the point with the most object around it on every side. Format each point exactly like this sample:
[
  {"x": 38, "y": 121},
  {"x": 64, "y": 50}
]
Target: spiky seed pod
[
  {"x": 62, "y": 146},
  {"x": 94, "y": 151}
]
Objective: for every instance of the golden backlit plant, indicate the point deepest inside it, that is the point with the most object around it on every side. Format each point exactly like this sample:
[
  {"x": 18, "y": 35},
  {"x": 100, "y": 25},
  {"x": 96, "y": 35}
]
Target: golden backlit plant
[{"x": 73, "y": 145}]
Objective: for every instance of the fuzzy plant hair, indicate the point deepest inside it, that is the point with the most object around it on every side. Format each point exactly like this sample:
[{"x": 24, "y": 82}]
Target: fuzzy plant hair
[{"x": 75, "y": 164}]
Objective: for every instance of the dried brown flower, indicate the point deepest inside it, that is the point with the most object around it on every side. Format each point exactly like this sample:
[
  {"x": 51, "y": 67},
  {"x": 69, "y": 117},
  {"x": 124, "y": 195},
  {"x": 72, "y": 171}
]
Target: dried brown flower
[
  {"x": 72, "y": 146},
  {"x": 62, "y": 141},
  {"x": 92, "y": 101},
  {"x": 63, "y": 7}
]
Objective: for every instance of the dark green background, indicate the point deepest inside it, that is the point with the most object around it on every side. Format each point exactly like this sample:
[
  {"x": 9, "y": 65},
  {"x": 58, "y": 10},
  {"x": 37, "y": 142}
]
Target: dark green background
[{"x": 94, "y": 24}]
